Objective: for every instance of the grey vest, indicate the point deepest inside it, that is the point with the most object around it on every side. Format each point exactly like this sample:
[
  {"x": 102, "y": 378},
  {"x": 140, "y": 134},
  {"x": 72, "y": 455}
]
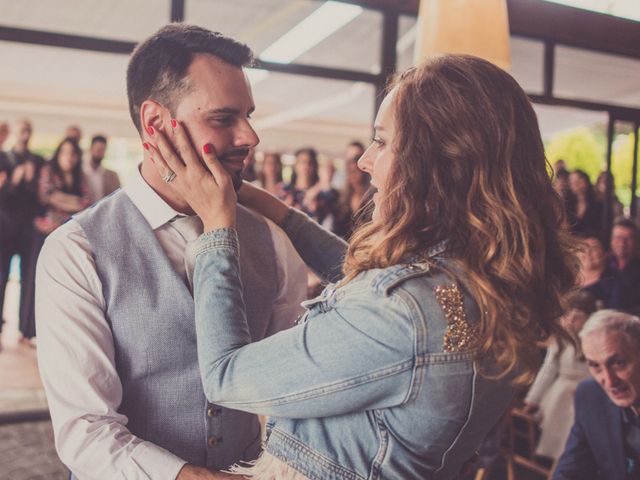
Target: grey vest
[{"x": 151, "y": 314}]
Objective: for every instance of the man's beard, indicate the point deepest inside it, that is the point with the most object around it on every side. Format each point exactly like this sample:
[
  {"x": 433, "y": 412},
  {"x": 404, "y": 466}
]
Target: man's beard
[{"x": 236, "y": 176}]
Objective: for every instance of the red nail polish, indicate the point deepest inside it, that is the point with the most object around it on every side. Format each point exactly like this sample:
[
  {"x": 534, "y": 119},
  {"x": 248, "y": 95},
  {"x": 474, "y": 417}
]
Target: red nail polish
[
  {"x": 174, "y": 123},
  {"x": 206, "y": 148},
  {"x": 150, "y": 130},
  {"x": 145, "y": 145}
]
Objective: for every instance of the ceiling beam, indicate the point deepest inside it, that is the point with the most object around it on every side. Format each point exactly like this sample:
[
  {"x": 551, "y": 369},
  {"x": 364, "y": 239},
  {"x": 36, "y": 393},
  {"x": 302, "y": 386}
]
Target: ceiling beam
[{"x": 65, "y": 40}]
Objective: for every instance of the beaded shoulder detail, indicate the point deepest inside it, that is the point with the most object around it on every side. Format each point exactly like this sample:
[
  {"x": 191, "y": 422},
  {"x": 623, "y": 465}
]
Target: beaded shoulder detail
[{"x": 460, "y": 334}]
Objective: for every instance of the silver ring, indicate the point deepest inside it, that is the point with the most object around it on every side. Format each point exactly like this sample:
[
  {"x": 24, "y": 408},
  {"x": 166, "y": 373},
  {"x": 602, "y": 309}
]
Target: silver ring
[{"x": 169, "y": 177}]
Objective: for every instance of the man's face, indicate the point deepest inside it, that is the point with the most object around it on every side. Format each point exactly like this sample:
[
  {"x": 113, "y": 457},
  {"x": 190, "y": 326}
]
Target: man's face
[
  {"x": 591, "y": 254},
  {"x": 614, "y": 362},
  {"x": 217, "y": 110},
  {"x": 24, "y": 132},
  {"x": 97, "y": 151},
  {"x": 623, "y": 242},
  {"x": 4, "y": 132}
]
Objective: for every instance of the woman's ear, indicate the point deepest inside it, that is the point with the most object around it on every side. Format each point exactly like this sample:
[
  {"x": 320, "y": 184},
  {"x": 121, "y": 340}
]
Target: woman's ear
[{"x": 152, "y": 114}]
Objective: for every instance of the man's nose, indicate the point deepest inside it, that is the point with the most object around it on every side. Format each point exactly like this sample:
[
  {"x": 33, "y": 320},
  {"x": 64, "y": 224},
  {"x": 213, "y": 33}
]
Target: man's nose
[
  {"x": 246, "y": 135},
  {"x": 609, "y": 379}
]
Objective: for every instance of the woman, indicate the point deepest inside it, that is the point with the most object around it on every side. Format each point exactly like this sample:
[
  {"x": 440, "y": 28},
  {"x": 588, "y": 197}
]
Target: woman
[
  {"x": 62, "y": 191},
  {"x": 299, "y": 193},
  {"x": 587, "y": 210},
  {"x": 552, "y": 392},
  {"x": 400, "y": 369},
  {"x": 270, "y": 176},
  {"x": 605, "y": 185},
  {"x": 351, "y": 199}
]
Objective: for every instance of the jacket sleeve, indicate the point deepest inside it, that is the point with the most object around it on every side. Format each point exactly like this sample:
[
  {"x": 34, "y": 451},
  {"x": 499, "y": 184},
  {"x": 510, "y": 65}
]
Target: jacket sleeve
[
  {"x": 577, "y": 462},
  {"x": 358, "y": 355},
  {"x": 320, "y": 249}
]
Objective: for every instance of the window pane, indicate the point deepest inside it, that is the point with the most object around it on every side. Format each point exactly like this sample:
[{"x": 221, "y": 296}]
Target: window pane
[
  {"x": 597, "y": 77},
  {"x": 294, "y": 111},
  {"x": 354, "y": 46},
  {"x": 115, "y": 19}
]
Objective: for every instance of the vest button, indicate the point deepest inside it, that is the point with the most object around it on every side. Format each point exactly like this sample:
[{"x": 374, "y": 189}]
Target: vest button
[
  {"x": 212, "y": 441},
  {"x": 213, "y": 412}
]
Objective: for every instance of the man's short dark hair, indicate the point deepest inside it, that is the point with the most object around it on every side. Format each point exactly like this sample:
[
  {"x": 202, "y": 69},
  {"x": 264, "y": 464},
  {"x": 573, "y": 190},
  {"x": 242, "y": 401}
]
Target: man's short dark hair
[
  {"x": 98, "y": 138},
  {"x": 158, "y": 66},
  {"x": 626, "y": 223}
]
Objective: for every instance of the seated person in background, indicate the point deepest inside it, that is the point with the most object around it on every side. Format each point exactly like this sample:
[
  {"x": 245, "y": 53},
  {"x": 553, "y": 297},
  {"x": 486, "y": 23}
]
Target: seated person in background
[
  {"x": 596, "y": 278},
  {"x": 625, "y": 264},
  {"x": 551, "y": 395},
  {"x": 605, "y": 438}
]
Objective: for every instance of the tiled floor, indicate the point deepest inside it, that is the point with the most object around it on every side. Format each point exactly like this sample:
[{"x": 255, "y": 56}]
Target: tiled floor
[{"x": 26, "y": 448}]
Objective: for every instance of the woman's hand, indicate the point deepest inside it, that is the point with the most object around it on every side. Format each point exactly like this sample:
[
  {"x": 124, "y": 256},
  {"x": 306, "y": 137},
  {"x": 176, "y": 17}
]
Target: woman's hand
[{"x": 201, "y": 181}]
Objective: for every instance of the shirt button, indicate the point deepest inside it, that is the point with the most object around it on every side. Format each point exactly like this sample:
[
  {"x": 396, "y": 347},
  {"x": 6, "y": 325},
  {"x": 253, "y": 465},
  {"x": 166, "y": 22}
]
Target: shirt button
[
  {"x": 213, "y": 412},
  {"x": 212, "y": 441}
]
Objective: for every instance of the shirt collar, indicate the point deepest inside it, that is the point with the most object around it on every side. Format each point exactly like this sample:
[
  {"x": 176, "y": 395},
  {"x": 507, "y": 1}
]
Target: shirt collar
[{"x": 154, "y": 209}]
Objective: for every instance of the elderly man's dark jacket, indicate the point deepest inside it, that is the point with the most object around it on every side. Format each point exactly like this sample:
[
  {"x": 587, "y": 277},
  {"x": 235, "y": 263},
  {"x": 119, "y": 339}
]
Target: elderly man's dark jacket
[{"x": 595, "y": 448}]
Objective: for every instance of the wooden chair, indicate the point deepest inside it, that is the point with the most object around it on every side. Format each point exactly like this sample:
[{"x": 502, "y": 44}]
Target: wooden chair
[{"x": 523, "y": 438}]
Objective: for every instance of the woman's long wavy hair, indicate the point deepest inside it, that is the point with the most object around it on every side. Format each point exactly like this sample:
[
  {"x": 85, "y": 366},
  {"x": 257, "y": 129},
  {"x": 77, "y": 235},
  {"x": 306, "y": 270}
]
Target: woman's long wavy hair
[{"x": 469, "y": 169}]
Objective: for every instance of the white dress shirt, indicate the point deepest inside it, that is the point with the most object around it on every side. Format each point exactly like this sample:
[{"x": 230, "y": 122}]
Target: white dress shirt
[{"x": 76, "y": 349}]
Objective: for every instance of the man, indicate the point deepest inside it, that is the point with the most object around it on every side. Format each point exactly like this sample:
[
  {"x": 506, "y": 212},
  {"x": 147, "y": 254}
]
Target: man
[
  {"x": 101, "y": 181},
  {"x": 21, "y": 206},
  {"x": 4, "y": 133},
  {"x": 605, "y": 438},
  {"x": 115, "y": 315},
  {"x": 74, "y": 132},
  {"x": 625, "y": 264}
]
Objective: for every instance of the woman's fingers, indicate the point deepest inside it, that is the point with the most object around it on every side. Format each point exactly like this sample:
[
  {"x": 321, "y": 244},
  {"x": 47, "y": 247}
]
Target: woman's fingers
[
  {"x": 210, "y": 158},
  {"x": 158, "y": 161},
  {"x": 185, "y": 149},
  {"x": 165, "y": 151}
]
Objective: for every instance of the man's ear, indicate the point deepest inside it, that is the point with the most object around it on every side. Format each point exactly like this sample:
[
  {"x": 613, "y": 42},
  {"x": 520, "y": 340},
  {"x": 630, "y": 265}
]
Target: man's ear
[{"x": 152, "y": 114}]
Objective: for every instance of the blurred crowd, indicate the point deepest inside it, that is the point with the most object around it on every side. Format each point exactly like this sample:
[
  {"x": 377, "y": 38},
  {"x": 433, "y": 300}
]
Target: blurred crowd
[{"x": 37, "y": 196}]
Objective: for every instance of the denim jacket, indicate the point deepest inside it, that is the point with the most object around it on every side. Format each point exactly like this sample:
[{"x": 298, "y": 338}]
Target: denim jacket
[{"x": 377, "y": 380}]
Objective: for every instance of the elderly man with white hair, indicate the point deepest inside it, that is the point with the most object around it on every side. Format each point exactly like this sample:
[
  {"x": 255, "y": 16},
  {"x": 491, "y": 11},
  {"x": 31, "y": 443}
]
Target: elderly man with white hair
[{"x": 605, "y": 439}]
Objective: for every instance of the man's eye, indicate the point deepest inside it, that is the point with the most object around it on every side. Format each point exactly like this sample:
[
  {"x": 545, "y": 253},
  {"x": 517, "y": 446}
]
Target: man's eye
[{"x": 223, "y": 120}]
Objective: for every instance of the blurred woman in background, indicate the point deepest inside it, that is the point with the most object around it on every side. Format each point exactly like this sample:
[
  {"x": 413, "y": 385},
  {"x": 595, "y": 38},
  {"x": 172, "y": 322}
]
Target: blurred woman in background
[
  {"x": 62, "y": 191},
  {"x": 550, "y": 397},
  {"x": 587, "y": 209},
  {"x": 270, "y": 175}
]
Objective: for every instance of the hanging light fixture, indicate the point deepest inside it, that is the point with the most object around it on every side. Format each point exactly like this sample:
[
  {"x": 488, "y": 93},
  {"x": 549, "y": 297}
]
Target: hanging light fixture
[{"x": 474, "y": 27}]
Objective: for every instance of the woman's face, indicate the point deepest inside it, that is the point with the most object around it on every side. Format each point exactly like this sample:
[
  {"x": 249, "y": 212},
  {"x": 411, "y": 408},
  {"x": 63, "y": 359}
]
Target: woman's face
[
  {"x": 303, "y": 165},
  {"x": 67, "y": 158},
  {"x": 378, "y": 157},
  {"x": 271, "y": 165},
  {"x": 573, "y": 321},
  {"x": 577, "y": 183}
]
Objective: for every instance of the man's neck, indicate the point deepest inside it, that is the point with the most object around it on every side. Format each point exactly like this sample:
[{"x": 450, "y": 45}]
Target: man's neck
[
  {"x": 163, "y": 189},
  {"x": 95, "y": 164}
]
